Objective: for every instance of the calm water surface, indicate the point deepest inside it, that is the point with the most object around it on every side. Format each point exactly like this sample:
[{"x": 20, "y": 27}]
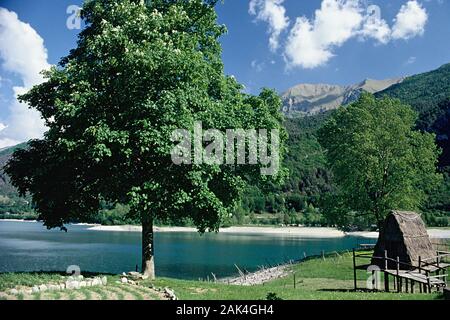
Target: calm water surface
[{"x": 28, "y": 246}]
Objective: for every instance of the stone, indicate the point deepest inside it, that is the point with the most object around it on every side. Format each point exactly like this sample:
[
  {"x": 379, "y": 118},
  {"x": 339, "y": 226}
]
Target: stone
[
  {"x": 96, "y": 282},
  {"x": 170, "y": 294},
  {"x": 69, "y": 284},
  {"x": 124, "y": 280},
  {"x": 52, "y": 287},
  {"x": 43, "y": 288},
  {"x": 62, "y": 286},
  {"x": 104, "y": 281},
  {"x": 72, "y": 284},
  {"x": 83, "y": 284},
  {"x": 89, "y": 283},
  {"x": 14, "y": 292},
  {"x": 135, "y": 275},
  {"x": 76, "y": 278},
  {"x": 35, "y": 289}
]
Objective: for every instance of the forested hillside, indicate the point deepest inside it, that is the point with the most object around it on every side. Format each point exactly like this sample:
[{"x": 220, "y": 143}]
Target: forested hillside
[
  {"x": 10, "y": 202},
  {"x": 309, "y": 181},
  {"x": 429, "y": 95}
]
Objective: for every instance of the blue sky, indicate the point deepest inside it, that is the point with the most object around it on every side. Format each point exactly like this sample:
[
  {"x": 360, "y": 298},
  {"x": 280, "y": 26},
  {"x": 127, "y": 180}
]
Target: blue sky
[{"x": 270, "y": 43}]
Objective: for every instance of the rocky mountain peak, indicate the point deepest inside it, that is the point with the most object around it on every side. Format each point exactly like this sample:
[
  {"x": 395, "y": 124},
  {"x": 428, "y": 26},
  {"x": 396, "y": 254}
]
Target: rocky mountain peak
[{"x": 309, "y": 99}]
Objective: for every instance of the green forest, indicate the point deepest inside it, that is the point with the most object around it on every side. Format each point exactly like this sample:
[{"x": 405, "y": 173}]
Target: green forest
[{"x": 300, "y": 199}]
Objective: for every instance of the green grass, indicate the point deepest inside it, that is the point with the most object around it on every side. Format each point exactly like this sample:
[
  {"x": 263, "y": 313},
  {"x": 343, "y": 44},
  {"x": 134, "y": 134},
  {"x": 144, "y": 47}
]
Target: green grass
[
  {"x": 329, "y": 278},
  {"x": 72, "y": 294},
  {"x": 100, "y": 291},
  {"x": 28, "y": 279},
  {"x": 316, "y": 279},
  {"x": 136, "y": 294},
  {"x": 119, "y": 293},
  {"x": 86, "y": 292},
  {"x": 56, "y": 295}
]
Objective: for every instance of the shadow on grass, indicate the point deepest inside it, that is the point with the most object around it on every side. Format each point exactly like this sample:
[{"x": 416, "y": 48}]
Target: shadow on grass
[
  {"x": 351, "y": 290},
  {"x": 438, "y": 295}
]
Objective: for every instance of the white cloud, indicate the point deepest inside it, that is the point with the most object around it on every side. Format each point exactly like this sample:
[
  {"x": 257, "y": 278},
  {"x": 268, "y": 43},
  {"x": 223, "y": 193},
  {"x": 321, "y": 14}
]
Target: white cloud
[
  {"x": 258, "y": 66},
  {"x": 411, "y": 60},
  {"x": 375, "y": 27},
  {"x": 311, "y": 42},
  {"x": 272, "y": 12},
  {"x": 23, "y": 53},
  {"x": 410, "y": 21}
]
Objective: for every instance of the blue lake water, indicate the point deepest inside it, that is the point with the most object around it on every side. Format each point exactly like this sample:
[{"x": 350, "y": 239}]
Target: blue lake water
[{"x": 28, "y": 246}]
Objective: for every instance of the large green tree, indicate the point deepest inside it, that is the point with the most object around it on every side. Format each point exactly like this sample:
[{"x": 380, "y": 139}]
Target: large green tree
[
  {"x": 379, "y": 162},
  {"x": 141, "y": 70}
]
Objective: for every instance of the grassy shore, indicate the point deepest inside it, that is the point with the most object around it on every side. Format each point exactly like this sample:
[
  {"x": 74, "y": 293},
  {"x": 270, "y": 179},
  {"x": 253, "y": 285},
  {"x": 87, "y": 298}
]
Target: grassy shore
[{"x": 329, "y": 278}]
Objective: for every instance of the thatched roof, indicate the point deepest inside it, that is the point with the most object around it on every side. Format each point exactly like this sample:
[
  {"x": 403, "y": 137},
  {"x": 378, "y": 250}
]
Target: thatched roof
[{"x": 404, "y": 234}]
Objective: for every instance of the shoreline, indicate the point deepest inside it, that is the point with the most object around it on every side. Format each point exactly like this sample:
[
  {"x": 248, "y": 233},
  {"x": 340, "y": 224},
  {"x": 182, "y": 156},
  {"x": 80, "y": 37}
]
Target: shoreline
[
  {"x": 313, "y": 232},
  {"x": 306, "y": 232}
]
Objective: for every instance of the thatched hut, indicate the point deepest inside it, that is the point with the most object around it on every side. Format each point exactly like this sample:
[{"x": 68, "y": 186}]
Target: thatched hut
[{"x": 403, "y": 235}]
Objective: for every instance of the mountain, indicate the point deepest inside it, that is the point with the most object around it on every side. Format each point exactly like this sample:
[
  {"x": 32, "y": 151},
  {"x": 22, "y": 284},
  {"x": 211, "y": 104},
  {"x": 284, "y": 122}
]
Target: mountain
[
  {"x": 10, "y": 201},
  {"x": 5, "y": 154},
  {"x": 310, "y": 99},
  {"x": 429, "y": 94}
]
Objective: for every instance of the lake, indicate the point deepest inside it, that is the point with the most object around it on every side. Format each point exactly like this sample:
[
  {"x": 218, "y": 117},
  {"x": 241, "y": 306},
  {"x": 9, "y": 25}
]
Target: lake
[{"x": 28, "y": 246}]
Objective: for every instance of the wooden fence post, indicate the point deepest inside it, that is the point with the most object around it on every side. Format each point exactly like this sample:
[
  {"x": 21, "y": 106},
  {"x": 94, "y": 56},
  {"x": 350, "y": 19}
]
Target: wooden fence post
[
  {"x": 354, "y": 270},
  {"x": 385, "y": 260},
  {"x": 399, "y": 289},
  {"x": 294, "y": 281},
  {"x": 420, "y": 264},
  {"x": 386, "y": 274}
]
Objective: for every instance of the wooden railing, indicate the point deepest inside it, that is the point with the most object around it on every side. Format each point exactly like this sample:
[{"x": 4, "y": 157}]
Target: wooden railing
[{"x": 423, "y": 268}]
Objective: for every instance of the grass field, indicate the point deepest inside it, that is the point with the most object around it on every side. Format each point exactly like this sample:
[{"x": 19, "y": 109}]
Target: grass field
[{"x": 329, "y": 278}]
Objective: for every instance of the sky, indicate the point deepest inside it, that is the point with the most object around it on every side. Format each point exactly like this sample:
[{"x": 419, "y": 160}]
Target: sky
[{"x": 270, "y": 43}]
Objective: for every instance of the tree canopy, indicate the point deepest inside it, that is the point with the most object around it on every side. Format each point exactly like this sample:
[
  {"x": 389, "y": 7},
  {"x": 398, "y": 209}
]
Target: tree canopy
[
  {"x": 378, "y": 160},
  {"x": 139, "y": 72}
]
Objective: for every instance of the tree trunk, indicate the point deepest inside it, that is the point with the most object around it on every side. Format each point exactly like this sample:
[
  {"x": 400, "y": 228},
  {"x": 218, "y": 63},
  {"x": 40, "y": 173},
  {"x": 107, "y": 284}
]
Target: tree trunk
[{"x": 148, "y": 262}]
